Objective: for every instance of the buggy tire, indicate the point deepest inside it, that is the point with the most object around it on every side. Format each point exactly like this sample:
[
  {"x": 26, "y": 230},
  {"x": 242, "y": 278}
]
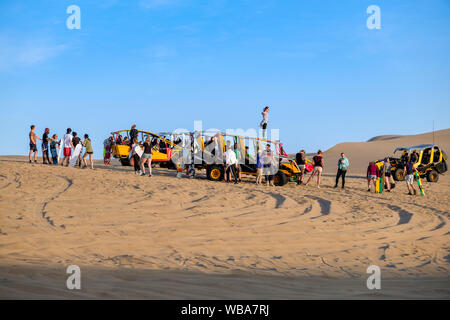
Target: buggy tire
[
  {"x": 280, "y": 179},
  {"x": 399, "y": 175},
  {"x": 432, "y": 176},
  {"x": 215, "y": 173},
  {"x": 125, "y": 162}
]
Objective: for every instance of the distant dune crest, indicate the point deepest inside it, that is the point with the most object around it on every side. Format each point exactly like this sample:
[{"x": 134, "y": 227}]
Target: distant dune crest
[{"x": 385, "y": 137}]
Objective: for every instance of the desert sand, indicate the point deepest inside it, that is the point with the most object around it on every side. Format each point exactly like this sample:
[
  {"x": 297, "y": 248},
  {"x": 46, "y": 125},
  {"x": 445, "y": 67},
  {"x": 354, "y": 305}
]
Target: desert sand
[{"x": 168, "y": 238}]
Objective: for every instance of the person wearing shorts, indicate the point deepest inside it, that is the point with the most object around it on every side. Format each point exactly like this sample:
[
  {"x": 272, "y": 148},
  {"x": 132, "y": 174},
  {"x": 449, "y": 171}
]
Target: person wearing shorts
[
  {"x": 33, "y": 149},
  {"x": 259, "y": 168},
  {"x": 147, "y": 157},
  {"x": 89, "y": 151},
  {"x": 372, "y": 175},
  {"x": 301, "y": 161},
  {"x": 408, "y": 170},
  {"x": 67, "y": 147},
  {"x": 265, "y": 121},
  {"x": 318, "y": 168},
  {"x": 387, "y": 173},
  {"x": 54, "y": 144}
]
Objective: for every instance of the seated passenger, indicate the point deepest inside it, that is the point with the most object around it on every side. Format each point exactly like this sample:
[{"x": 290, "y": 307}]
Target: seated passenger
[{"x": 404, "y": 157}]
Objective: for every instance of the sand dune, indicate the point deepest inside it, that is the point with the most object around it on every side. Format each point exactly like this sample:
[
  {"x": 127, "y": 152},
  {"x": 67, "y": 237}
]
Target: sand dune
[
  {"x": 360, "y": 153},
  {"x": 202, "y": 239}
]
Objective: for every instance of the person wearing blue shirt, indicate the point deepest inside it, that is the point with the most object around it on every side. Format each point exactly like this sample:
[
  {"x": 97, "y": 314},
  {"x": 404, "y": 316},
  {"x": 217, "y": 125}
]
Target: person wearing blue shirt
[
  {"x": 259, "y": 167},
  {"x": 342, "y": 170}
]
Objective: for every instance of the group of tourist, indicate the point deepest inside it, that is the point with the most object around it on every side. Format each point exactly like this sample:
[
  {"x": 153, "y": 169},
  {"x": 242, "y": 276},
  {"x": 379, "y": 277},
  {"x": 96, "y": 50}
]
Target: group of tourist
[
  {"x": 318, "y": 165},
  {"x": 374, "y": 172},
  {"x": 265, "y": 159},
  {"x": 265, "y": 164},
  {"x": 69, "y": 142}
]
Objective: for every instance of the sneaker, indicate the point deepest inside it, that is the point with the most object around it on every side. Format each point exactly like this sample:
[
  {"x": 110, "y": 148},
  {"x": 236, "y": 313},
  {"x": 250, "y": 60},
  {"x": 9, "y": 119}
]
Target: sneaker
[
  {"x": 368, "y": 190},
  {"x": 415, "y": 192},
  {"x": 149, "y": 175},
  {"x": 335, "y": 186},
  {"x": 142, "y": 174},
  {"x": 318, "y": 187}
]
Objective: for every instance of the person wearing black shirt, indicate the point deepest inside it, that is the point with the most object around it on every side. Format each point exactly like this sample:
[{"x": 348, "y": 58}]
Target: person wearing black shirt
[
  {"x": 45, "y": 139},
  {"x": 147, "y": 157},
  {"x": 75, "y": 141},
  {"x": 301, "y": 160},
  {"x": 133, "y": 133}
]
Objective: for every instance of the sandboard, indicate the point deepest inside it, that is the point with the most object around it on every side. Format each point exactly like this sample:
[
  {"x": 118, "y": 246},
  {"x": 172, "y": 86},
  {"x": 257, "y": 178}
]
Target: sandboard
[
  {"x": 75, "y": 154},
  {"x": 380, "y": 181},
  {"x": 138, "y": 150},
  {"x": 377, "y": 185},
  {"x": 419, "y": 183},
  {"x": 107, "y": 155},
  {"x": 60, "y": 149}
]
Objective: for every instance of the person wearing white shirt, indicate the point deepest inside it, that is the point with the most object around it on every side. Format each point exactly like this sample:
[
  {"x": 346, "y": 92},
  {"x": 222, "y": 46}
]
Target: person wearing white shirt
[
  {"x": 268, "y": 161},
  {"x": 230, "y": 164},
  {"x": 67, "y": 147}
]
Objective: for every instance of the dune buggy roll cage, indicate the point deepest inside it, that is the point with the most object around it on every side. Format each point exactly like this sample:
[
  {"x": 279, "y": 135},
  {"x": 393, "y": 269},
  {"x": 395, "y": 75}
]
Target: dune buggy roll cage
[
  {"x": 116, "y": 135},
  {"x": 237, "y": 139}
]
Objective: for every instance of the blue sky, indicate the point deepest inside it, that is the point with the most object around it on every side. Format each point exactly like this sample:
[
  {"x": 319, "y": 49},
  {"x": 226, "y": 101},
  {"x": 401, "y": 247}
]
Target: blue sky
[{"x": 164, "y": 63}]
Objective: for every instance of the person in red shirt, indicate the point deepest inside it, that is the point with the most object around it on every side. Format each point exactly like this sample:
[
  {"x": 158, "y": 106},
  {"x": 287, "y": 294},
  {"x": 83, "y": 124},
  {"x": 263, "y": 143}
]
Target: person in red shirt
[{"x": 372, "y": 174}]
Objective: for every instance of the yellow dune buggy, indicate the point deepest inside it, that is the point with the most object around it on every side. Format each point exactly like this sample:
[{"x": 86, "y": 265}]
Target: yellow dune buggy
[{"x": 162, "y": 149}]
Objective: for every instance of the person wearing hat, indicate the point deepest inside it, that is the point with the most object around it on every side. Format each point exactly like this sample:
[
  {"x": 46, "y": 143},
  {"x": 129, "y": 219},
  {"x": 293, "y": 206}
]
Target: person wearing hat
[{"x": 45, "y": 140}]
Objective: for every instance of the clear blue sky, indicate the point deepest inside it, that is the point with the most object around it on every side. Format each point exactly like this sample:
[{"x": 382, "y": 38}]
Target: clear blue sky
[{"x": 164, "y": 63}]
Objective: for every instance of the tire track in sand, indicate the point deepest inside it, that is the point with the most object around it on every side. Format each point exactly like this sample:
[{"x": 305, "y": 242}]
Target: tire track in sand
[{"x": 46, "y": 203}]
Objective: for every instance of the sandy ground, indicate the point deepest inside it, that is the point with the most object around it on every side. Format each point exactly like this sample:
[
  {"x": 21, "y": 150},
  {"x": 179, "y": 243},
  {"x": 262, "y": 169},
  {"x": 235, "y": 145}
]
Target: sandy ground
[
  {"x": 163, "y": 237},
  {"x": 168, "y": 238}
]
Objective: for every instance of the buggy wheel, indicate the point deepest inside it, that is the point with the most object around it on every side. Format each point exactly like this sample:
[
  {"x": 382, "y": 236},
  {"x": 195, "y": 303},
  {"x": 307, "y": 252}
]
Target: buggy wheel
[
  {"x": 399, "y": 175},
  {"x": 125, "y": 161},
  {"x": 432, "y": 176},
  {"x": 215, "y": 173},
  {"x": 280, "y": 179}
]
